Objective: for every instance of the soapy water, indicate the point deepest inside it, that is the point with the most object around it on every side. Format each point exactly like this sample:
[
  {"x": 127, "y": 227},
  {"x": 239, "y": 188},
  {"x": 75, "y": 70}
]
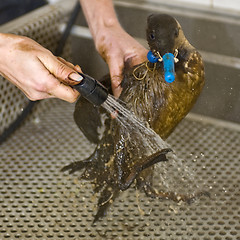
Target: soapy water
[{"x": 174, "y": 175}]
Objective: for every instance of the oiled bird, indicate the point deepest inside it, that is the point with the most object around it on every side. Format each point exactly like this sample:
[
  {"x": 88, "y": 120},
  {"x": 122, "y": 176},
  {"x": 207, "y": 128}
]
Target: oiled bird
[{"x": 116, "y": 163}]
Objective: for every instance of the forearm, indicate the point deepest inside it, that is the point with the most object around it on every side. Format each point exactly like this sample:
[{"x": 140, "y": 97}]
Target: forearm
[{"x": 100, "y": 14}]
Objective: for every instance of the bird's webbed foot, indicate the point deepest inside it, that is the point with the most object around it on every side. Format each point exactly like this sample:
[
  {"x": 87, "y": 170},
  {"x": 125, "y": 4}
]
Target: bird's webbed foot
[
  {"x": 89, "y": 168},
  {"x": 107, "y": 196},
  {"x": 135, "y": 170},
  {"x": 75, "y": 166},
  {"x": 176, "y": 197}
]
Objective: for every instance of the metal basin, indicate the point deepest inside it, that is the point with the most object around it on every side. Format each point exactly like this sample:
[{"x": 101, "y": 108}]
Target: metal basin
[{"x": 37, "y": 201}]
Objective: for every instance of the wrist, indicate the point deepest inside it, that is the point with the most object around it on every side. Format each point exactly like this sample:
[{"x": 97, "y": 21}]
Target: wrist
[
  {"x": 104, "y": 28},
  {"x": 100, "y": 16},
  {"x": 5, "y": 50}
]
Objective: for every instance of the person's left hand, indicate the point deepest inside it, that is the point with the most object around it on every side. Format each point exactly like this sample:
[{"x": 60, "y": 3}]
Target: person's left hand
[{"x": 117, "y": 47}]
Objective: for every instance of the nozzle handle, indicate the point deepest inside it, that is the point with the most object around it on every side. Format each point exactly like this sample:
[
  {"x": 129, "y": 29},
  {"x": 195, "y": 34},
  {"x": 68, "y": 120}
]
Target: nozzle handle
[{"x": 92, "y": 90}]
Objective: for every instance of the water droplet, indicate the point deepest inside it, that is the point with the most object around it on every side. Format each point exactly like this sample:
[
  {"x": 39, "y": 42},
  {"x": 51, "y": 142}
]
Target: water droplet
[
  {"x": 36, "y": 120},
  {"x": 224, "y": 190}
]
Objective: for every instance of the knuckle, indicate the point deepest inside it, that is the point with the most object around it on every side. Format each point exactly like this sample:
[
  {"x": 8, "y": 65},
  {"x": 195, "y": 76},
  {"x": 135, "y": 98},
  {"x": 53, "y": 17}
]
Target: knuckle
[
  {"x": 35, "y": 96},
  {"x": 60, "y": 58},
  {"x": 73, "y": 98},
  {"x": 50, "y": 85},
  {"x": 40, "y": 86},
  {"x": 61, "y": 70}
]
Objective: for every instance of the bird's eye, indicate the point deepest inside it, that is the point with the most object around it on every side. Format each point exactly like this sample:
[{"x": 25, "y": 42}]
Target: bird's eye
[
  {"x": 176, "y": 33},
  {"x": 152, "y": 36}
]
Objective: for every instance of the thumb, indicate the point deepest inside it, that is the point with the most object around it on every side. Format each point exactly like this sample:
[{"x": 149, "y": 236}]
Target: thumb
[{"x": 63, "y": 72}]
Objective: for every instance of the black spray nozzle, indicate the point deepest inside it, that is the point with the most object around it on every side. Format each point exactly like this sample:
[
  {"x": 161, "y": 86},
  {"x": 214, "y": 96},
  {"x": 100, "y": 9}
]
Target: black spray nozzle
[{"x": 92, "y": 90}]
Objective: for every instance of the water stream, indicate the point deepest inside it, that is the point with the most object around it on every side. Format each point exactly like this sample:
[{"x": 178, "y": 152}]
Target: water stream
[
  {"x": 151, "y": 140},
  {"x": 174, "y": 175}
]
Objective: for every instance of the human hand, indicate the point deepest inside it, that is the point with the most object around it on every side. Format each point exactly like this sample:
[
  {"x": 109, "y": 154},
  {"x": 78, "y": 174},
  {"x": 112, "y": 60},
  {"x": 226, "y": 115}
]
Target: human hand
[
  {"x": 118, "y": 47},
  {"x": 112, "y": 42},
  {"x": 35, "y": 70}
]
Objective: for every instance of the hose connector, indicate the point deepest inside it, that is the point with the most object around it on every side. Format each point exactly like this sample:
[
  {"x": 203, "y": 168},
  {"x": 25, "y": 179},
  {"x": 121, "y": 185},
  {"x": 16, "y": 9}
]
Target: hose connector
[{"x": 92, "y": 90}]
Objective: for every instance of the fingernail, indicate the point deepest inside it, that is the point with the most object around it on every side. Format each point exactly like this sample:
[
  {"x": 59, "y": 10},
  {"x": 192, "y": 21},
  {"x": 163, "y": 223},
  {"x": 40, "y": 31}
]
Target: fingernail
[{"x": 76, "y": 77}]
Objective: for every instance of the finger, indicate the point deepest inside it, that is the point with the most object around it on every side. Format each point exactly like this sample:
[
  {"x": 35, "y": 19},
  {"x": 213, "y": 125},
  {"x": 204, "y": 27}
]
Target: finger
[
  {"x": 73, "y": 76},
  {"x": 116, "y": 68},
  {"x": 116, "y": 89},
  {"x": 65, "y": 62},
  {"x": 60, "y": 69},
  {"x": 78, "y": 68},
  {"x": 140, "y": 57},
  {"x": 64, "y": 92},
  {"x": 34, "y": 96}
]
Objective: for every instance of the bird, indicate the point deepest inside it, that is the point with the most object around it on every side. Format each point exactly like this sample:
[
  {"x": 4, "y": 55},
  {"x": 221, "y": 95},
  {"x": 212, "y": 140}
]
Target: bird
[{"x": 118, "y": 161}]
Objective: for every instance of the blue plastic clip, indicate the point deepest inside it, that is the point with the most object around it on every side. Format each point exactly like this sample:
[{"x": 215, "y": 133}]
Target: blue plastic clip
[
  {"x": 168, "y": 66},
  {"x": 151, "y": 58}
]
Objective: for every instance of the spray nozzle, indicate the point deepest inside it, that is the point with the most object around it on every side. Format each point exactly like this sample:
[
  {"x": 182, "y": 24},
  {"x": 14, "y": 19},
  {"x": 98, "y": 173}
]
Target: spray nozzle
[{"x": 92, "y": 90}]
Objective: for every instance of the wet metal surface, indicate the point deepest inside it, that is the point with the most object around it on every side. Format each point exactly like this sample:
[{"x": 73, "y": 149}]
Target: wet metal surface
[{"x": 37, "y": 201}]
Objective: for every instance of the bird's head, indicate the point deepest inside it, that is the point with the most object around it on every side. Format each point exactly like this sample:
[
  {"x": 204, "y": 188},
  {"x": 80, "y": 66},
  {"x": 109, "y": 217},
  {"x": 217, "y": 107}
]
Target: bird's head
[{"x": 164, "y": 34}]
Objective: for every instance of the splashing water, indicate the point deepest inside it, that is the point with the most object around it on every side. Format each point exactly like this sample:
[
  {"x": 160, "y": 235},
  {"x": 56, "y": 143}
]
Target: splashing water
[{"x": 173, "y": 175}]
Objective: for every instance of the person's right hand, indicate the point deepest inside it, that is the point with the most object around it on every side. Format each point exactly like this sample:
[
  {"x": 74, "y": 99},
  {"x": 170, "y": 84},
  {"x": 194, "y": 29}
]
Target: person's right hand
[
  {"x": 35, "y": 70},
  {"x": 117, "y": 47}
]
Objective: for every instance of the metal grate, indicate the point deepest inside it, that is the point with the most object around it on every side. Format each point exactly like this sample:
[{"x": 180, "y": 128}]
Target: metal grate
[
  {"x": 42, "y": 25},
  {"x": 39, "y": 202}
]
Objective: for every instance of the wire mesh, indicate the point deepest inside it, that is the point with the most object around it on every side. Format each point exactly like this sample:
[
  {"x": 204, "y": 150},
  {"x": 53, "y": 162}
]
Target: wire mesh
[{"x": 39, "y": 202}]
